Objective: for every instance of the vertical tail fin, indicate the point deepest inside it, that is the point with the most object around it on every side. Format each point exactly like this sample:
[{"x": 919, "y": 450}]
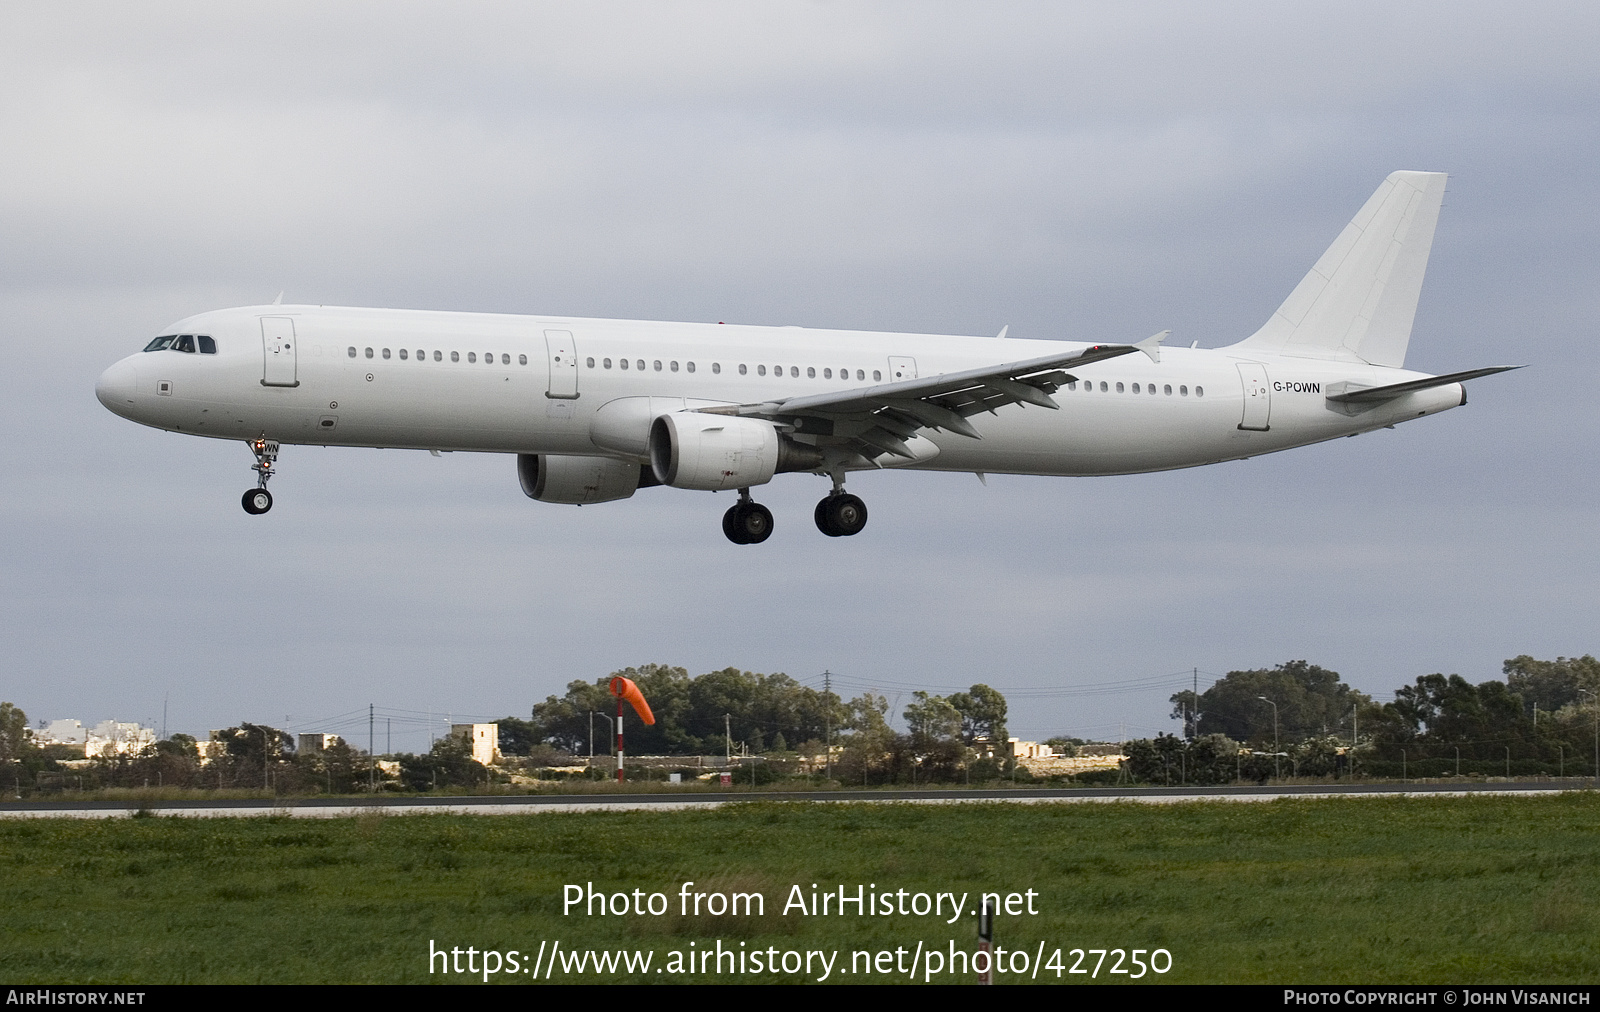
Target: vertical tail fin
[{"x": 1359, "y": 300}]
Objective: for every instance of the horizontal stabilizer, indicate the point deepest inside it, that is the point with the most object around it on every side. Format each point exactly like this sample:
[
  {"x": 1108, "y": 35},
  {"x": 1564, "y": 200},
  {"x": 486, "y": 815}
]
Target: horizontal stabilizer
[{"x": 1345, "y": 394}]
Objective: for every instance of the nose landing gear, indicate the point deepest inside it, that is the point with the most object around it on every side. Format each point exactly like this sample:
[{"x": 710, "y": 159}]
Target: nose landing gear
[
  {"x": 747, "y": 522},
  {"x": 258, "y": 500}
]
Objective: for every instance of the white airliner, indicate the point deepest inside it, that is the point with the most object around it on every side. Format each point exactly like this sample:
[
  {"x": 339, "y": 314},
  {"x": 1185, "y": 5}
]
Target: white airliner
[{"x": 597, "y": 409}]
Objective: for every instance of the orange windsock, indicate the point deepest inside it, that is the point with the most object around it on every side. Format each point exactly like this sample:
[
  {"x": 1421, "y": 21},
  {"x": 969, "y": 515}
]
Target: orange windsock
[{"x": 626, "y": 689}]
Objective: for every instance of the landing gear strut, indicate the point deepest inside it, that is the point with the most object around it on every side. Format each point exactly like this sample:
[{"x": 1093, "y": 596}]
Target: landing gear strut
[
  {"x": 258, "y": 500},
  {"x": 747, "y": 522}
]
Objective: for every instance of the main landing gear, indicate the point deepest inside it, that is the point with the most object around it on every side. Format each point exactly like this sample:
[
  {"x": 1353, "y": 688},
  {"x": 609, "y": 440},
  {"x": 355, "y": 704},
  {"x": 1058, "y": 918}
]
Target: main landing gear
[
  {"x": 258, "y": 500},
  {"x": 840, "y": 515},
  {"x": 747, "y": 522}
]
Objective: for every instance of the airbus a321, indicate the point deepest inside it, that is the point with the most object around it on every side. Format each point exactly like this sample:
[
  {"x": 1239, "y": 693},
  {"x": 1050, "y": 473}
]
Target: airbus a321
[{"x": 595, "y": 410}]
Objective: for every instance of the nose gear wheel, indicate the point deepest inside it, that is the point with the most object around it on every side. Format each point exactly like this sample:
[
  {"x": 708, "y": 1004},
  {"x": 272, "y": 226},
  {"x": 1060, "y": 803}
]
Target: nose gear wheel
[{"x": 258, "y": 500}]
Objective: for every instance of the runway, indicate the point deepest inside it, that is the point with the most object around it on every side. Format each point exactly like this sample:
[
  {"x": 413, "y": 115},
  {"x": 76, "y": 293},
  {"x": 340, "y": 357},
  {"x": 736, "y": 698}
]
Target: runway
[{"x": 333, "y": 808}]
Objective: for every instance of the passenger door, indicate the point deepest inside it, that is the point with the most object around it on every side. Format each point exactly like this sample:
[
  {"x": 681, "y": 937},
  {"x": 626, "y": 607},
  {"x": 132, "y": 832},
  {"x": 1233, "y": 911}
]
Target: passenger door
[
  {"x": 1257, "y": 397},
  {"x": 278, "y": 352}
]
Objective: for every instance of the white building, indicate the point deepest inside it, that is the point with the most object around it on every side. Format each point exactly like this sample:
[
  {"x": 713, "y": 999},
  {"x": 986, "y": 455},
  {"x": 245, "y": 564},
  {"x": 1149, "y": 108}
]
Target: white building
[
  {"x": 485, "y": 739},
  {"x": 107, "y": 738}
]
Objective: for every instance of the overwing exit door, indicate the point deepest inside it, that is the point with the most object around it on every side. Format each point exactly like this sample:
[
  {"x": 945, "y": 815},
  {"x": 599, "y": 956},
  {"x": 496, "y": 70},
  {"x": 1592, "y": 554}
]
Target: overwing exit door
[{"x": 902, "y": 367}]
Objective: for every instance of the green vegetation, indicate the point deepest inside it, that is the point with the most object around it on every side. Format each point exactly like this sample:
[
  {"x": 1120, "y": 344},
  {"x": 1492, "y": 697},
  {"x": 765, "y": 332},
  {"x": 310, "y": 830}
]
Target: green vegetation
[
  {"x": 1460, "y": 890},
  {"x": 1299, "y": 719}
]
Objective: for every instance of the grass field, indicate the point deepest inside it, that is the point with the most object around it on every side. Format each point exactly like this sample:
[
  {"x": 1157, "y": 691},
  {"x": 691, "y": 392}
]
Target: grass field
[{"x": 1364, "y": 890}]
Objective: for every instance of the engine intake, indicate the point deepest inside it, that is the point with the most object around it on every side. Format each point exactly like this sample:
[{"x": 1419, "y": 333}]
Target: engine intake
[
  {"x": 580, "y": 480},
  {"x": 690, "y": 449}
]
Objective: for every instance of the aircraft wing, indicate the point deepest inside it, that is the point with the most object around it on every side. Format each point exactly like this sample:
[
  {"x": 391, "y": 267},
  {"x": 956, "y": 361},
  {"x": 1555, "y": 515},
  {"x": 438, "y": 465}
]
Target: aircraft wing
[{"x": 879, "y": 419}]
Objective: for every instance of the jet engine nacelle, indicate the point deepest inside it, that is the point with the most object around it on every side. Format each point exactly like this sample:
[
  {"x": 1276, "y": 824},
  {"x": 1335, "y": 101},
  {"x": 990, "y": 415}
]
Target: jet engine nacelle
[
  {"x": 691, "y": 449},
  {"x": 579, "y": 480}
]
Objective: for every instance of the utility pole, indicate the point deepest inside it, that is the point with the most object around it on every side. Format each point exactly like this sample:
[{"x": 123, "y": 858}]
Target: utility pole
[
  {"x": 388, "y": 736},
  {"x": 727, "y": 734},
  {"x": 372, "y": 759},
  {"x": 1597, "y": 734},
  {"x": 827, "y": 722},
  {"x": 1277, "y": 764}
]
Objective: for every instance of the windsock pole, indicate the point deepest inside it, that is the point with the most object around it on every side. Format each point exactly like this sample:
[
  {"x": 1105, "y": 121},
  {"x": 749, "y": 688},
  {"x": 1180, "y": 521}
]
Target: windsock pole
[
  {"x": 619, "y": 739},
  {"x": 624, "y": 688}
]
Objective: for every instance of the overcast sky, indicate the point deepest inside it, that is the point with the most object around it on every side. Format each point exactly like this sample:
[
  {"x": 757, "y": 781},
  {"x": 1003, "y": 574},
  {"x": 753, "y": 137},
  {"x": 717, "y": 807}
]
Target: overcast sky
[{"x": 1073, "y": 171}]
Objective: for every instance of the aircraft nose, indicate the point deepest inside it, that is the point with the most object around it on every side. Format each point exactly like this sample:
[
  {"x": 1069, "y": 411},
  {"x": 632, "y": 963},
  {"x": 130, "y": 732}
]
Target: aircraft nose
[{"x": 115, "y": 387}]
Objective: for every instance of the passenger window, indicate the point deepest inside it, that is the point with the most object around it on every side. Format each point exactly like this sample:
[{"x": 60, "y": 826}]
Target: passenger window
[
  {"x": 1167, "y": 389},
  {"x": 438, "y": 356},
  {"x": 716, "y": 368},
  {"x": 811, "y": 373},
  {"x": 1199, "y": 391},
  {"x": 1103, "y": 387},
  {"x": 1119, "y": 388},
  {"x": 369, "y": 352},
  {"x": 523, "y": 360},
  {"x": 488, "y": 358},
  {"x": 827, "y": 374},
  {"x": 623, "y": 363},
  {"x": 761, "y": 370},
  {"x": 658, "y": 365},
  {"x": 1183, "y": 390},
  {"x": 160, "y": 343},
  {"x": 184, "y": 343},
  {"x": 794, "y": 371},
  {"x": 209, "y": 347},
  {"x": 638, "y": 364},
  {"x": 472, "y": 357},
  {"x": 877, "y": 375},
  {"x": 403, "y": 354},
  {"x": 605, "y": 363},
  {"x": 386, "y": 353},
  {"x": 743, "y": 369},
  {"x": 689, "y": 366},
  {"x": 455, "y": 356},
  {"x": 674, "y": 365},
  {"x": 352, "y": 351},
  {"x": 590, "y": 363}
]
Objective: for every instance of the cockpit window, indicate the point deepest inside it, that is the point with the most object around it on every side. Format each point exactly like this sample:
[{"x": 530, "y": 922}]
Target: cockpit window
[
  {"x": 185, "y": 342},
  {"x": 207, "y": 346},
  {"x": 161, "y": 343}
]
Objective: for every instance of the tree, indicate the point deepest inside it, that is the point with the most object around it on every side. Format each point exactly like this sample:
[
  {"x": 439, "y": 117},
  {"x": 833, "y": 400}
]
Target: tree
[
  {"x": 517, "y": 737},
  {"x": 448, "y": 764},
  {"x": 1310, "y": 700},
  {"x": 1550, "y": 685},
  {"x": 181, "y": 745},
  {"x": 15, "y": 738},
  {"x": 932, "y": 718},
  {"x": 983, "y": 714},
  {"x": 1452, "y": 709}
]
